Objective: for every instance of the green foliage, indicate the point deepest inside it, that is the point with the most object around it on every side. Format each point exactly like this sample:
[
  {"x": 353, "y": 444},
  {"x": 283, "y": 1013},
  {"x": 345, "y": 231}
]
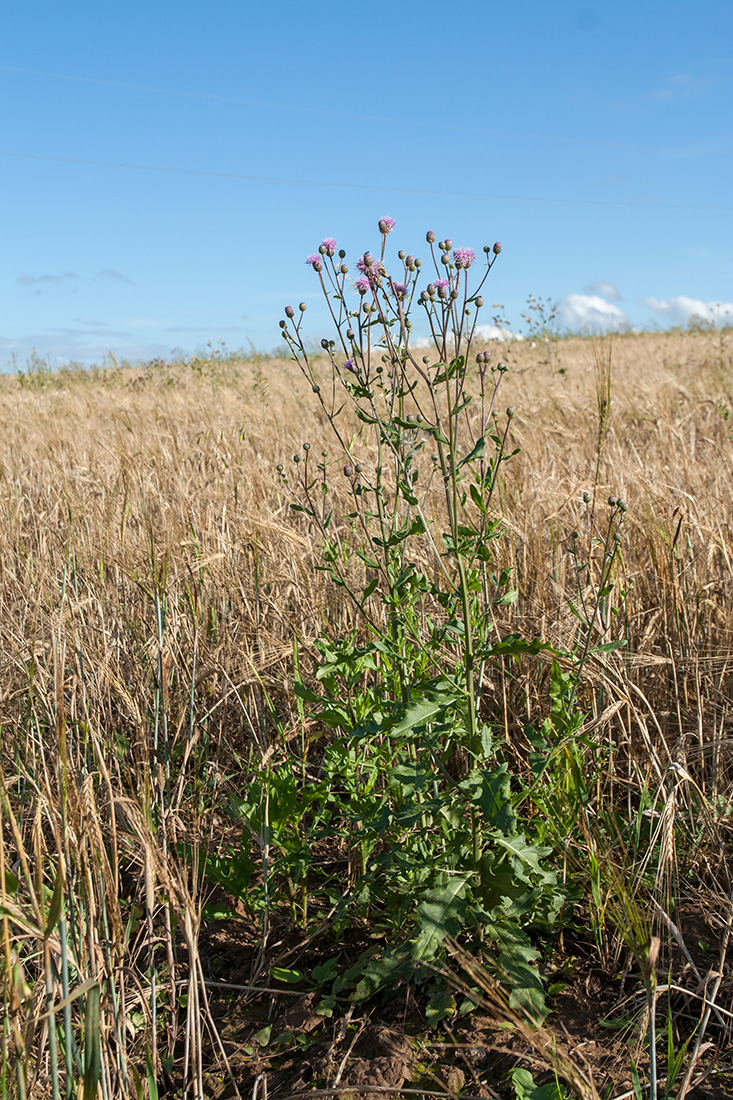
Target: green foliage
[
  {"x": 414, "y": 783},
  {"x": 525, "y": 1088}
]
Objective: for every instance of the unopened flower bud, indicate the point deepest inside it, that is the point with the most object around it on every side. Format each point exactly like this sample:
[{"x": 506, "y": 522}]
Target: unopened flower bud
[
  {"x": 296, "y": 458},
  {"x": 612, "y": 501},
  {"x": 324, "y": 344},
  {"x": 410, "y": 418},
  {"x": 497, "y": 248},
  {"x": 348, "y": 471},
  {"x": 586, "y": 498},
  {"x": 358, "y": 467},
  {"x": 283, "y": 324},
  {"x": 289, "y": 311},
  {"x": 344, "y": 269},
  {"x": 401, "y": 254},
  {"x": 479, "y": 303},
  {"x": 510, "y": 412},
  {"x": 302, "y": 307},
  {"x": 417, "y": 261},
  {"x": 306, "y": 446},
  {"x": 430, "y": 237},
  {"x": 342, "y": 253},
  {"x": 350, "y": 334},
  {"x": 448, "y": 244}
]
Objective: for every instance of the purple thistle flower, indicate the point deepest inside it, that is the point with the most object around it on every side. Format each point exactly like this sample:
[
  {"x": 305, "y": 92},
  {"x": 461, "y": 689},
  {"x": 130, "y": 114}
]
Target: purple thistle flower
[
  {"x": 315, "y": 261},
  {"x": 463, "y": 257},
  {"x": 329, "y": 244},
  {"x": 399, "y": 290},
  {"x": 386, "y": 225},
  {"x": 362, "y": 284},
  {"x": 370, "y": 267},
  {"x": 350, "y": 365},
  {"x": 441, "y": 284}
]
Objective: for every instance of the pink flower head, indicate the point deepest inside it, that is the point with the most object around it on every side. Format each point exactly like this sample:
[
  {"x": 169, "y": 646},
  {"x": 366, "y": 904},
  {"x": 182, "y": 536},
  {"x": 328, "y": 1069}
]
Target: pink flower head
[
  {"x": 350, "y": 366},
  {"x": 370, "y": 267},
  {"x": 441, "y": 284},
  {"x": 399, "y": 290},
  {"x": 463, "y": 257},
  {"x": 362, "y": 284},
  {"x": 386, "y": 225},
  {"x": 328, "y": 244},
  {"x": 315, "y": 261}
]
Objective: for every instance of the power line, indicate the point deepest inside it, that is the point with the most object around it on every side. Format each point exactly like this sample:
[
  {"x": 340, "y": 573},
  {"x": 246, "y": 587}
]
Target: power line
[
  {"x": 300, "y": 108},
  {"x": 383, "y": 189}
]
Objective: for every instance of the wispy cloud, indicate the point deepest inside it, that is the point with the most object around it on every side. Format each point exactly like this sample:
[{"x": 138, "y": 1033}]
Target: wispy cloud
[
  {"x": 34, "y": 280},
  {"x": 62, "y": 346},
  {"x": 683, "y": 86},
  {"x": 606, "y": 290},
  {"x": 589, "y": 312},
  {"x": 681, "y": 310},
  {"x": 205, "y": 329},
  {"x": 109, "y": 275}
]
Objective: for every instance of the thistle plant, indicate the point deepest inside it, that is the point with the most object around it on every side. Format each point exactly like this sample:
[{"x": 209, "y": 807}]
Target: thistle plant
[
  {"x": 413, "y": 401},
  {"x": 420, "y": 444}
]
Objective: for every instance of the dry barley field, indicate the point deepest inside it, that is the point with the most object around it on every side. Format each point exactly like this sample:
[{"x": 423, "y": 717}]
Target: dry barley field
[{"x": 188, "y": 905}]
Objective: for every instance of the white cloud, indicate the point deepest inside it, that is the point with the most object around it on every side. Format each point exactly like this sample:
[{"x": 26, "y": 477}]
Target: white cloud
[
  {"x": 681, "y": 310},
  {"x": 606, "y": 290},
  {"x": 481, "y": 332},
  {"x": 493, "y": 332},
  {"x": 589, "y": 311}
]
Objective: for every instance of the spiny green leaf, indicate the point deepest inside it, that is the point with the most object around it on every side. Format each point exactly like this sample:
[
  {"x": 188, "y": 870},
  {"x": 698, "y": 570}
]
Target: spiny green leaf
[
  {"x": 417, "y": 714},
  {"x": 439, "y": 914}
]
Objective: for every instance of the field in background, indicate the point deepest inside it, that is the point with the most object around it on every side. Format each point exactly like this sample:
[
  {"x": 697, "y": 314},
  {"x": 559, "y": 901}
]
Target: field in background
[{"x": 159, "y": 598}]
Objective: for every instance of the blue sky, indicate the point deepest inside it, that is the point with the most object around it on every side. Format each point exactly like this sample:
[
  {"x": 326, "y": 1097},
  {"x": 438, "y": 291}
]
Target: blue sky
[{"x": 167, "y": 167}]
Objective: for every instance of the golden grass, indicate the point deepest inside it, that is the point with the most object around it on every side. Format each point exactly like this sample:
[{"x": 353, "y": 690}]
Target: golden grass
[{"x": 152, "y": 579}]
